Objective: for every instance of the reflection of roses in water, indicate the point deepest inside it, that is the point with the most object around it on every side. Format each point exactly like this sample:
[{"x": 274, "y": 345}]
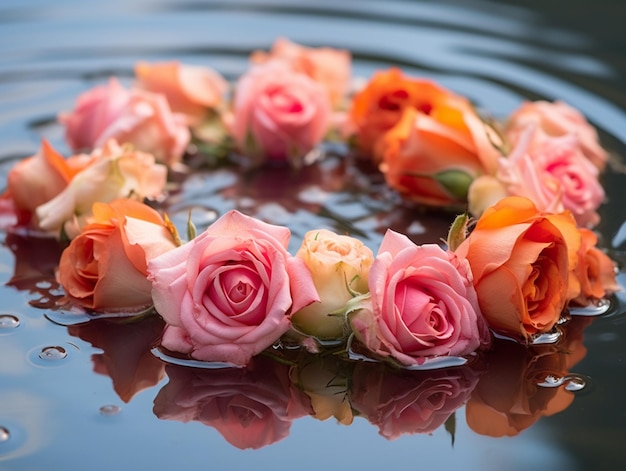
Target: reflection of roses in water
[
  {"x": 402, "y": 402},
  {"x": 509, "y": 399},
  {"x": 251, "y": 407},
  {"x": 126, "y": 355}
]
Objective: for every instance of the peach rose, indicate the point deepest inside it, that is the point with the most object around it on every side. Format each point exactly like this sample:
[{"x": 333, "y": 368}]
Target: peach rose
[
  {"x": 190, "y": 90},
  {"x": 423, "y": 304},
  {"x": 228, "y": 294},
  {"x": 36, "y": 180},
  {"x": 522, "y": 261},
  {"x": 251, "y": 407},
  {"x": 595, "y": 271},
  {"x": 555, "y": 120},
  {"x": 104, "y": 268},
  {"x": 115, "y": 172},
  {"x": 339, "y": 265},
  {"x": 445, "y": 116},
  {"x": 433, "y": 159},
  {"x": 554, "y": 174},
  {"x": 328, "y": 66},
  {"x": 409, "y": 402},
  {"x": 134, "y": 116},
  {"x": 279, "y": 114}
]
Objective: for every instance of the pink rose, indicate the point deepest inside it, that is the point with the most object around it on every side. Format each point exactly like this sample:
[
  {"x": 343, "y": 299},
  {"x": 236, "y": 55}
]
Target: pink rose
[
  {"x": 279, "y": 114},
  {"x": 423, "y": 304},
  {"x": 190, "y": 90},
  {"x": 134, "y": 116},
  {"x": 555, "y": 120},
  {"x": 409, "y": 402},
  {"x": 251, "y": 407},
  {"x": 554, "y": 174},
  {"x": 328, "y": 66},
  {"x": 228, "y": 294}
]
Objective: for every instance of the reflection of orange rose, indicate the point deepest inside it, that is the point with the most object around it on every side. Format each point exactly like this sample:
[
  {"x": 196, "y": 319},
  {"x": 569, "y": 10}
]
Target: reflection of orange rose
[
  {"x": 522, "y": 262},
  {"x": 104, "y": 267},
  {"x": 251, "y": 407},
  {"x": 404, "y": 402},
  {"x": 508, "y": 398},
  {"x": 126, "y": 355},
  {"x": 595, "y": 270},
  {"x": 382, "y": 103}
]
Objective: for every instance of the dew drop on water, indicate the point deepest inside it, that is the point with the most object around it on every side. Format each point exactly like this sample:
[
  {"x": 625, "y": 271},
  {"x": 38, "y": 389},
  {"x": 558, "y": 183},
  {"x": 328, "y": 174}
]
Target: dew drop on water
[
  {"x": 8, "y": 321},
  {"x": 575, "y": 383},
  {"x": 4, "y": 434},
  {"x": 548, "y": 337},
  {"x": 597, "y": 308},
  {"x": 110, "y": 409},
  {"x": 53, "y": 353}
]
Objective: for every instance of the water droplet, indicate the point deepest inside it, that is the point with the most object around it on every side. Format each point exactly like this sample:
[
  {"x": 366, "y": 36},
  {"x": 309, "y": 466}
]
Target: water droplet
[
  {"x": 595, "y": 308},
  {"x": 4, "y": 434},
  {"x": 53, "y": 353},
  {"x": 8, "y": 321},
  {"x": 110, "y": 409},
  {"x": 548, "y": 337},
  {"x": 575, "y": 383}
]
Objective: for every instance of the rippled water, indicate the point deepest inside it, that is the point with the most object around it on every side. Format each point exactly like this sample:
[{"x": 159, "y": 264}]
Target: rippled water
[{"x": 60, "y": 409}]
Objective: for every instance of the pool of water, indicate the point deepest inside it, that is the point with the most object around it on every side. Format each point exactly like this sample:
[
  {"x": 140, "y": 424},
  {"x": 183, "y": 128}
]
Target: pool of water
[{"x": 94, "y": 396}]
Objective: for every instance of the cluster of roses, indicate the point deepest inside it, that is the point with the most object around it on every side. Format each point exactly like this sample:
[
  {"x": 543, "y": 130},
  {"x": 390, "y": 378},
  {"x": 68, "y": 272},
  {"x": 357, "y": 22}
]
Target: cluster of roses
[{"x": 234, "y": 290}]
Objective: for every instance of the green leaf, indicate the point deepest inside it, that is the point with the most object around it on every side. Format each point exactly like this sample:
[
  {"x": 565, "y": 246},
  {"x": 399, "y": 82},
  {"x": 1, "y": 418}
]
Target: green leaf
[
  {"x": 191, "y": 228},
  {"x": 450, "y": 426},
  {"x": 458, "y": 231},
  {"x": 456, "y": 182}
]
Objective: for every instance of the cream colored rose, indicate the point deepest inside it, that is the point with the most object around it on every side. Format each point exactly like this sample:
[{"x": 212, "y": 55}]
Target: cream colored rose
[{"x": 339, "y": 266}]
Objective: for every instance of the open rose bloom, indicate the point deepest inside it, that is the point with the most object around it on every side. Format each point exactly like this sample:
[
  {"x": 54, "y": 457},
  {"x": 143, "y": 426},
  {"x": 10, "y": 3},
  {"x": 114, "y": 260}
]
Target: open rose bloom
[
  {"x": 104, "y": 269},
  {"x": 279, "y": 115},
  {"x": 228, "y": 294},
  {"x": 423, "y": 304}
]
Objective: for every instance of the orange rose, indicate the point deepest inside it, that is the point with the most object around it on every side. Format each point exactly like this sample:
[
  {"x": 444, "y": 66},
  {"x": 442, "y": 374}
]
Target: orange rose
[
  {"x": 381, "y": 104},
  {"x": 522, "y": 261},
  {"x": 104, "y": 267},
  {"x": 433, "y": 159},
  {"x": 190, "y": 90},
  {"x": 38, "y": 179},
  {"x": 595, "y": 270}
]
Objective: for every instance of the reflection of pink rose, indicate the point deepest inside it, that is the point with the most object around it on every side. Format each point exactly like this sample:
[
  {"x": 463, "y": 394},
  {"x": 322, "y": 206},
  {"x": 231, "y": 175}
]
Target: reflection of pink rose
[
  {"x": 129, "y": 116},
  {"x": 228, "y": 294},
  {"x": 554, "y": 174},
  {"x": 279, "y": 114},
  {"x": 126, "y": 355},
  {"x": 251, "y": 407},
  {"x": 407, "y": 402},
  {"x": 328, "y": 66},
  {"x": 555, "y": 120},
  {"x": 423, "y": 304}
]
